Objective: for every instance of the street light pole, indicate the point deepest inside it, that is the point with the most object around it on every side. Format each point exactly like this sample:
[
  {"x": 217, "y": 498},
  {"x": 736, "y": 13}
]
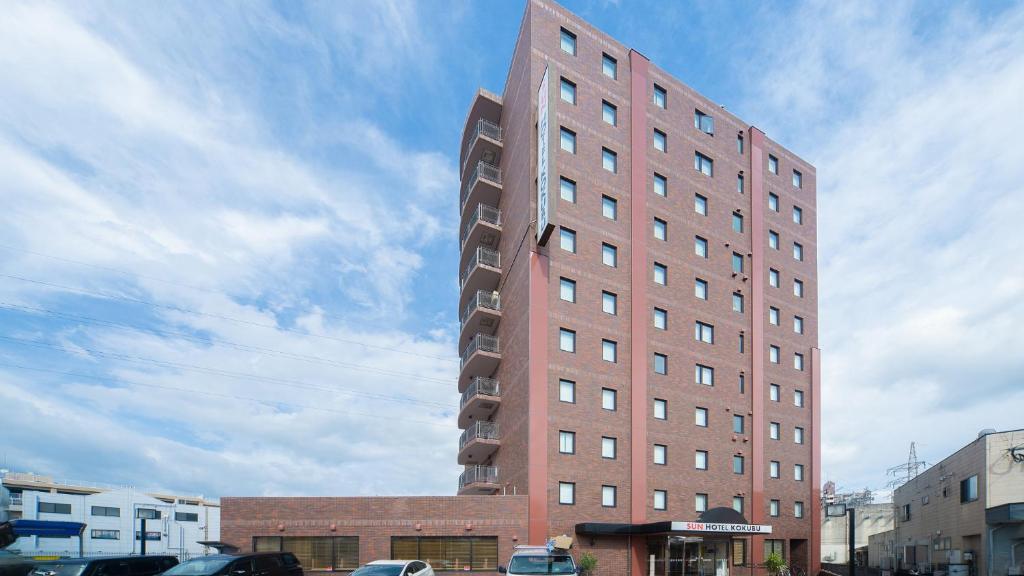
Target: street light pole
[{"x": 853, "y": 540}]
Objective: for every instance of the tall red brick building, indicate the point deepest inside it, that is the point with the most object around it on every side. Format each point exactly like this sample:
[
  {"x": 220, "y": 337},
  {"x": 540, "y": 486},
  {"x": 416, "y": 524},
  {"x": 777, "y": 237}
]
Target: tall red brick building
[{"x": 638, "y": 329}]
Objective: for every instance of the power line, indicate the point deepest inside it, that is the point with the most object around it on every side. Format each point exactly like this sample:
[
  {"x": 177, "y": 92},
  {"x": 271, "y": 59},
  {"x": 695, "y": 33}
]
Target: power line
[
  {"x": 270, "y": 403},
  {"x": 219, "y": 341},
  {"x": 110, "y": 296},
  {"x": 219, "y": 372}
]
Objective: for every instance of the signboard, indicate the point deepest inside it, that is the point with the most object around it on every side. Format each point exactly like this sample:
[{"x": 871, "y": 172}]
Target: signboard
[
  {"x": 544, "y": 162},
  {"x": 835, "y": 510},
  {"x": 726, "y": 528}
]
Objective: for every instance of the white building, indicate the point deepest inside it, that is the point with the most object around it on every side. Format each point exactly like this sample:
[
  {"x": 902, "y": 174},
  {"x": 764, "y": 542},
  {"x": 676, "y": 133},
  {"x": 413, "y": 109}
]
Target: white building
[{"x": 175, "y": 524}]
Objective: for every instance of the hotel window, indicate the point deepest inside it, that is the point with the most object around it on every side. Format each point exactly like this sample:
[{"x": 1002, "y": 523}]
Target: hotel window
[
  {"x": 568, "y": 91},
  {"x": 660, "y": 454},
  {"x": 737, "y": 504},
  {"x": 741, "y": 343},
  {"x": 703, "y": 164},
  {"x": 773, "y": 202},
  {"x": 609, "y": 399},
  {"x": 798, "y": 288},
  {"x": 737, "y": 263},
  {"x": 773, "y": 430},
  {"x": 773, "y": 278},
  {"x": 739, "y": 183},
  {"x": 798, "y": 325},
  {"x": 739, "y": 143},
  {"x": 660, "y": 274},
  {"x": 798, "y": 179},
  {"x": 567, "y": 240},
  {"x": 54, "y": 508},
  {"x": 608, "y": 496},
  {"x": 773, "y": 164},
  {"x": 798, "y": 361},
  {"x": 704, "y": 375},
  {"x": 609, "y": 66},
  {"x": 969, "y": 489},
  {"x": 737, "y": 222},
  {"x": 609, "y": 351},
  {"x": 700, "y": 417},
  {"x": 660, "y": 364},
  {"x": 566, "y": 493},
  {"x": 105, "y": 534},
  {"x": 773, "y": 508},
  {"x": 609, "y": 303},
  {"x": 106, "y": 511},
  {"x": 566, "y": 340},
  {"x": 774, "y": 392},
  {"x": 567, "y": 391},
  {"x": 660, "y": 409},
  {"x": 773, "y": 469},
  {"x": 609, "y": 255},
  {"x": 568, "y": 42},
  {"x": 700, "y": 288},
  {"x": 609, "y": 207},
  {"x": 660, "y": 499},
  {"x": 567, "y": 290},
  {"x": 737, "y": 302},
  {"x": 660, "y": 97},
  {"x": 773, "y": 354},
  {"x": 737, "y": 464},
  {"x": 660, "y": 319},
  {"x": 567, "y": 189},
  {"x": 798, "y": 435},
  {"x": 700, "y": 247},
  {"x": 609, "y": 160},
  {"x": 704, "y": 332},
  {"x": 798, "y": 509},
  {"x": 608, "y": 447},
  {"x": 609, "y": 113},
  {"x": 566, "y": 442},
  {"x": 773, "y": 315},
  {"x": 743, "y": 382},
  {"x": 568, "y": 140},
  {"x": 660, "y": 229},
  {"x": 701, "y": 460},
  {"x": 660, "y": 140},
  {"x": 700, "y": 503},
  {"x": 660, "y": 185},
  {"x": 700, "y": 205},
  {"x": 798, "y": 215},
  {"x": 773, "y": 239},
  {"x": 798, "y": 398},
  {"x": 798, "y": 472},
  {"x": 798, "y": 251},
  {"x": 737, "y": 424},
  {"x": 703, "y": 122}
]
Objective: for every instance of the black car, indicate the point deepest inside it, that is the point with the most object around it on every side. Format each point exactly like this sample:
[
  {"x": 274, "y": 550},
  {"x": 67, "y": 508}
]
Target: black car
[
  {"x": 13, "y": 565},
  {"x": 106, "y": 566},
  {"x": 256, "y": 564}
]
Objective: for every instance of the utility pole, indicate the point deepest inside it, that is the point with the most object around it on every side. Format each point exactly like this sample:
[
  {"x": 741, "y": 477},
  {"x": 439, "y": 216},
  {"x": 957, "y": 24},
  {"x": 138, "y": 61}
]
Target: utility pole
[
  {"x": 851, "y": 512},
  {"x": 142, "y": 536}
]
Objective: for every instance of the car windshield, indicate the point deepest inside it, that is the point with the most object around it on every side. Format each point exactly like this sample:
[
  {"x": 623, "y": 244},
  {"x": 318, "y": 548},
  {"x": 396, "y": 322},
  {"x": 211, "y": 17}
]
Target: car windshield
[
  {"x": 379, "y": 570},
  {"x": 198, "y": 567},
  {"x": 541, "y": 565},
  {"x": 58, "y": 569}
]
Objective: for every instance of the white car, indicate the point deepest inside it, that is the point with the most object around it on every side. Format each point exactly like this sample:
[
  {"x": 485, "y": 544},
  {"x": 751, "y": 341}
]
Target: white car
[
  {"x": 537, "y": 560},
  {"x": 395, "y": 568}
]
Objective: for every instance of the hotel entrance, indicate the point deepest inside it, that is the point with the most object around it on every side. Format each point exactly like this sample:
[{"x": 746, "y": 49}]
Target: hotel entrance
[{"x": 688, "y": 556}]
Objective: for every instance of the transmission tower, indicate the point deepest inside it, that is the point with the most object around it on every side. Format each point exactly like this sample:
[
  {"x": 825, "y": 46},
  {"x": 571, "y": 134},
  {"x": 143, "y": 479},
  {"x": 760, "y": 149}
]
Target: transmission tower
[{"x": 906, "y": 472}]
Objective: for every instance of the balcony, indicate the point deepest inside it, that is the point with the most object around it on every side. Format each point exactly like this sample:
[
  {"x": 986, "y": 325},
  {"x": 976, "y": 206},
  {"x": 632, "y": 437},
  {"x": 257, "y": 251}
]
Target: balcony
[
  {"x": 484, "y": 145},
  {"x": 479, "y": 401},
  {"x": 479, "y": 480},
  {"x": 482, "y": 272},
  {"x": 15, "y": 499},
  {"x": 481, "y": 314},
  {"x": 482, "y": 229},
  {"x": 478, "y": 442},
  {"x": 480, "y": 358},
  {"x": 485, "y": 106},
  {"x": 482, "y": 186}
]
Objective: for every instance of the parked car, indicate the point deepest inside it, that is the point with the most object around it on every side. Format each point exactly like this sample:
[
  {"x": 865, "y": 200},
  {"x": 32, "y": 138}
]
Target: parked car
[
  {"x": 395, "y": 568},
  {"x": 537, "y": 560},
  {"x": 256, "y": 564},
  {"x": 106, "y": 566}
]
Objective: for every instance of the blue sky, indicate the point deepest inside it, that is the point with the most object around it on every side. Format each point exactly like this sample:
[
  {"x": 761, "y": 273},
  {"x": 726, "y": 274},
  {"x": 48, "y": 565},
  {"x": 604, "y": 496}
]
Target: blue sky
[{"x": 228, "y": 236}]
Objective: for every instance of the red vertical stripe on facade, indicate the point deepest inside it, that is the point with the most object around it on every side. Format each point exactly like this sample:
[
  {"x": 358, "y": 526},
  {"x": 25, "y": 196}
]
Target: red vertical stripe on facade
[
  {"x": 757, "y": 274},
  {"x": 815, "y": 559},
  {"x": 537, "y": 441}
]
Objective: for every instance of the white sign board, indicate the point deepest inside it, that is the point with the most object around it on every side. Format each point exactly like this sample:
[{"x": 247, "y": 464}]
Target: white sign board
[
  {"x": 721, "y": 527},
  {"x": 543, "y": 161}
]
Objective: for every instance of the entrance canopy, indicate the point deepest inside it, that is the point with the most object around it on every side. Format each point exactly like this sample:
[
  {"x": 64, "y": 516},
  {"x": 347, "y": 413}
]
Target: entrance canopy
[{"x": 715, "y": 521}]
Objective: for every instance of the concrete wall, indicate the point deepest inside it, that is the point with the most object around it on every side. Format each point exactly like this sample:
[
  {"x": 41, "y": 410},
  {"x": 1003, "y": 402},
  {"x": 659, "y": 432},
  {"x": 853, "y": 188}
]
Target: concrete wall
[{"x": 871, "y": 519}]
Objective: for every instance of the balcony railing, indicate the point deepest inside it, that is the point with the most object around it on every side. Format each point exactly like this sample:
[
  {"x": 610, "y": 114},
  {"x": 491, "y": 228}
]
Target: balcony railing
[
  {"x": 483, "y": 299},
  {"x": 479, "y": 431},
  {"x": 16, "y": 499},
  {"x": 478, "y": 474},
  {"x": 483, "y": 127},
  {"x": 482, "y": 170},
  {"x": 483, "y": 213},
  {"x": 483, "y": 343},
  {"x": 480, "y": 385},
  {"x": 481, "y": 256}
]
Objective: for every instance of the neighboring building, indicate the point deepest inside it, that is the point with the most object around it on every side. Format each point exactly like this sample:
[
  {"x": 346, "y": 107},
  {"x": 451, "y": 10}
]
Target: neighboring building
[
  {"x": 870, "y": 519},
  {"x": 967, "y": 509},
  {"x": 639, "y": 323},
  {"x": 882, "y": 550},
  {"x": 175, "y": 524}
]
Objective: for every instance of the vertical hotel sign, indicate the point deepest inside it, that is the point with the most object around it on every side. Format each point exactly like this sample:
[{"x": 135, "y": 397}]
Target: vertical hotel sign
[{"x": 545, "y": 164}]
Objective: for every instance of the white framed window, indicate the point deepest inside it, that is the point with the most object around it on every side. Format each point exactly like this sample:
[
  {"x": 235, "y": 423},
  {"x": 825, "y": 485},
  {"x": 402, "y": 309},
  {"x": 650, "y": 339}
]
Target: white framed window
[
  {"x": 660, "y": 319},
  {"x": 609, "y": 113},
  {"x": 798, "y": 325},
  {"x": 660, "y": 274},
  {"x": 773, "y": 430},
  {"x": 700, "y": 417},
  {"x": 774, "y": 392},
  {"x": 609, "y": 255},
  {"x": 660, "y": 454},
  {"x": 773, "y": 315},
  {"x": 703, "y": 122},
  {"x": 660, "y": 409},
  {"x": 608, "y": 447},
  {"x": 773, "y": 239},
  {"x": 798, "y": 215},
  {"x": 773, "y": 508},
  {"x": 774, "y": 468},
  {"x": 609, "y": 351},
  {"x": 798, "y": 398},
  {"x": 773, "y": 354},
  {"x": 703, "y": 164},
  {"x": 660, "y": 185},
  {"x": 567, "y": 239},
  {"x": 704, "y": 375},
  {"x": 567, "y": 391},
  {"x": 700, "y": 503},
  {"x": 798, "y": 251},
  {"x": 568, "y": 91},
  {"x": 567, "y": 189},
  {"x": 660, "y": 363},
  {"x": 703, "y": 332},
  {"x": 567, "y": 140},
  {"x": 608, "y": 496},
  {"x": 660, "y": 140},
  {"x": 798, "y": 361},
  {"x": 773, "y": 202},
  {"x": 567, "y": 289},
  {"x": 798, "y": 509},
  {"x": 660, "y": 500},
  {"x": 609, "y": 160},
  {"x": 566, "y": 442},
  {"x": 609, "y": 66},
  {"x": 567, "y": 493},
  {"x": 609, "y": 207},
  {"x": 773, "y": 164},
  {"x": 798, "y": 435},
  {"x": 700, "y": 461},
  {"x": 798, "y": 472},
  {"x": 700, "y": 204},
  {"x": 773, "y": 278},
  {"x": 737, "y": 302},
  {"x": 700, "y": 247},
  {"x": 660, "y": 97},
  {"x": 609, "y": 303},
  {"x": 798, "y": 179},
  {"x": 609, "y": 399},
  {"x": 660, "y": 229},
  {"x": 568, "y": 42},
  {"x": 566, "y": 340},
  {"x": 798, "y": 288},
  {"x": 700, "y": 288}
]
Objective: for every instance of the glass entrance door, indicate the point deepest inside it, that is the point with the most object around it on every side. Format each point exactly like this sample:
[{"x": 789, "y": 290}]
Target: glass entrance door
[{"x": 689, "y": 556}]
